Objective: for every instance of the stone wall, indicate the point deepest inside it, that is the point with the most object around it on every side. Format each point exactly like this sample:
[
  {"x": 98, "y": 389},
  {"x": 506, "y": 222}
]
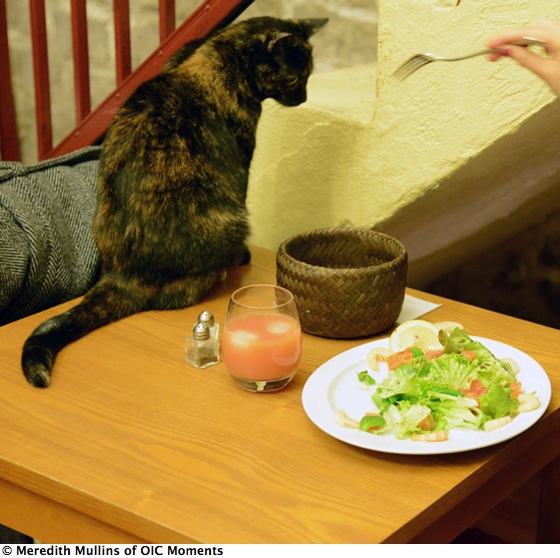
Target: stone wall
[{"x": 351, "y": 40}]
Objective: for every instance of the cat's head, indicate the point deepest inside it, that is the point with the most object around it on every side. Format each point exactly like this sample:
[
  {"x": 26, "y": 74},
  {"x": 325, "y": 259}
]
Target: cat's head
[{"x": 281, "y": 57}]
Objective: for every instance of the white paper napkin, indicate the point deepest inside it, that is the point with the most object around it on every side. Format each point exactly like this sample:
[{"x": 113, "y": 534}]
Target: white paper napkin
[{"x": 413, "y": 308}]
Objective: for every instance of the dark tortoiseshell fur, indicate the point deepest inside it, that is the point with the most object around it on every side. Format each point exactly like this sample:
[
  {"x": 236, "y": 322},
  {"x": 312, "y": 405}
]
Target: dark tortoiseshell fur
[{"x": 171, "y": 214}]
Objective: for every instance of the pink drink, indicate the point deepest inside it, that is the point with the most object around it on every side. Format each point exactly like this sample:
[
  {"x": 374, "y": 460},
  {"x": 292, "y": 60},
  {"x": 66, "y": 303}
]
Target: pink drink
[{"x": 262, "y": 347}]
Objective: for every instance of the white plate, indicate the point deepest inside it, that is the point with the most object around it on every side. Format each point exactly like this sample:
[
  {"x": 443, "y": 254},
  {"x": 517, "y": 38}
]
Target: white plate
[{"x": 334, "y": 386}]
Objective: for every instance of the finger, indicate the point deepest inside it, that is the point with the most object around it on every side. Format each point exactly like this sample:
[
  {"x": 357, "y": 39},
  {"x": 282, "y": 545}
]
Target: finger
[
  {"x": 513, "y": 35},
  {"x": 545, "y": 31},
  {"x": 537, "y": 64},
  {"x": 499, "y": 53}
]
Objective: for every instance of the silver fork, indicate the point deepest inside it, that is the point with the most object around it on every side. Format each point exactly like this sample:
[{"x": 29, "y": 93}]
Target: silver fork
[{"x": 418, "y": 60}]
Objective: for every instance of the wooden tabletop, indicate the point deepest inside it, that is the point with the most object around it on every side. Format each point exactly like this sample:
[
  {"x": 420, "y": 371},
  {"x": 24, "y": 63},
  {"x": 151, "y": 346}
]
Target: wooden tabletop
[{"x": 131, "y": 444}]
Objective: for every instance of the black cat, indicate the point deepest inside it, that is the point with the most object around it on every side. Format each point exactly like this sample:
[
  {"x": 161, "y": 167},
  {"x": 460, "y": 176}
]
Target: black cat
[{"x": 171, "y": 214}]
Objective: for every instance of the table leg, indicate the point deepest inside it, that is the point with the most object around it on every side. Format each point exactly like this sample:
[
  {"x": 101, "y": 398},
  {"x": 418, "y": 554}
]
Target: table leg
[{"x": 548, "y": 528}]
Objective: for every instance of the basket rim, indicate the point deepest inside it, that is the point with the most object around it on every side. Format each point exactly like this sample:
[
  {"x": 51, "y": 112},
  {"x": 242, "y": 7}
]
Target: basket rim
[{"x": 397, "y": 260}]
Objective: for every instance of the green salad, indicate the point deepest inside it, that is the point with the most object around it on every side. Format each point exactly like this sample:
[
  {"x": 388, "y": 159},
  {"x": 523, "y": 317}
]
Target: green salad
[{"x": 426, "y": 394}]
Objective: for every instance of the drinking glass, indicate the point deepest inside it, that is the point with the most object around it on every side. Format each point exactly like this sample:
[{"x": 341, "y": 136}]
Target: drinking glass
[{"x": 261, "y": 342}]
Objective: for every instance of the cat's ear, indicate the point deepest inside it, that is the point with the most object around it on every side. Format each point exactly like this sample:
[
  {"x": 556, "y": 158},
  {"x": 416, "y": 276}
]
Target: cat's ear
[
  {"x": 278, "y": 39},
  {"x": 309, "y": 26},
  {"x": 313, "y": 25}
]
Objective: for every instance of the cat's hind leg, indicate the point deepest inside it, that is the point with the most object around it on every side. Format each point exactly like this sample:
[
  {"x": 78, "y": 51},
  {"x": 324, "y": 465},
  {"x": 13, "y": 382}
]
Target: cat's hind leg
[
  {"x": 187, "y": 291},
  {"x": 111, "y": 299}
]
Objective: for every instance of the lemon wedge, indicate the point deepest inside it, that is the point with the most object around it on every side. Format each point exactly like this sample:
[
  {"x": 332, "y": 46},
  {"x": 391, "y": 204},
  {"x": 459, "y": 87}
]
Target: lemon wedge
[{"x": 415, "y": 333}]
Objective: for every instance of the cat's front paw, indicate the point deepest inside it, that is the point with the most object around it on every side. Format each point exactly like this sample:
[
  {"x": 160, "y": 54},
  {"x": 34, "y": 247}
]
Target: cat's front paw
[
  {"x": 243, "y": 256},
  {"x": 246, "y": 257}
]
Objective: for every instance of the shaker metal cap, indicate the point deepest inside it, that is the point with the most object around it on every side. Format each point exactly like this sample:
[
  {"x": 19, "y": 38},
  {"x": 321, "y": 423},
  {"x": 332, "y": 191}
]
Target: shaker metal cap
[
  {"x": 201, "y": 332},
  {"x": 206, "y": 317}
]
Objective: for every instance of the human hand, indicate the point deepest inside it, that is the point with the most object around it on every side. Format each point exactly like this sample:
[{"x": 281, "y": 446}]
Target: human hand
[{"x": 547, "y": 68}]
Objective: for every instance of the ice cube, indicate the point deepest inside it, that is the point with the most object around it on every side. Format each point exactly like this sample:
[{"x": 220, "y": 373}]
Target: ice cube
[
  {"x": 243, "y": 337},
  {"x": 278, "y": 328}
]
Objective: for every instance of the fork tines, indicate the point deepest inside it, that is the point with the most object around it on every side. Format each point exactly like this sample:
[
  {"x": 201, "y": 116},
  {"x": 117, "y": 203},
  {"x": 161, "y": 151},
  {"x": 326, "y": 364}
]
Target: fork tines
[
  {"x": 418, "y": 60},
  {"x": 410, "y": 66}
]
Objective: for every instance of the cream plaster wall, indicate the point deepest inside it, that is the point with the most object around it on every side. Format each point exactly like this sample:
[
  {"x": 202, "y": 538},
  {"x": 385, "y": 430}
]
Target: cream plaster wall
[{"x": 472, "y": 144}]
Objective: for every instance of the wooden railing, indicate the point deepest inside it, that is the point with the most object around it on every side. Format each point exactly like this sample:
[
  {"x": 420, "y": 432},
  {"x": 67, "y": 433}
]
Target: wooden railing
[
  {"x": 9, "y": 148},
  {"x": 91, "y": 124}
]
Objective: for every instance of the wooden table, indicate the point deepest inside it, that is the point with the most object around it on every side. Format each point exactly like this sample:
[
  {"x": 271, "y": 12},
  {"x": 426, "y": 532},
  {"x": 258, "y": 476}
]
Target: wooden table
[{"x": 131, "y": 444}]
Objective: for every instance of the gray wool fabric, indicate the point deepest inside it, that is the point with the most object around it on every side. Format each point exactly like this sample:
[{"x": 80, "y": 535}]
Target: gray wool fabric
[{"x": 47, "y": 252}]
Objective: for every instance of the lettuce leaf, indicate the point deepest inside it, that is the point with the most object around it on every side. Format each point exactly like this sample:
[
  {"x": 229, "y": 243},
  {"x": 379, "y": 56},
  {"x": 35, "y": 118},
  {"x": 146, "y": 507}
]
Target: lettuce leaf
[
  {"x": 412, "y": 391},
  {"x": 497, "y": 403}
]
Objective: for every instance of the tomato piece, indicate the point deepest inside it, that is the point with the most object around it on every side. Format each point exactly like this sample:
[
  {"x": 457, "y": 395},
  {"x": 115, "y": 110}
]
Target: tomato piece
[
  {"x": 436, "y": 353},
  {"x": 515, "y": 389},
  {"x": 396, "y": 359},
  {"x": 476, "y": 389},
  {"x": 471, "y": 355},
  {"x": 427, "y": 423}
]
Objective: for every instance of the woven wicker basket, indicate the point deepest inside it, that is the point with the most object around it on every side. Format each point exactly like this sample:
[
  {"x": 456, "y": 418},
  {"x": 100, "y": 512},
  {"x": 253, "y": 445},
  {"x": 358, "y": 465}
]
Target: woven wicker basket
[{"x": 347, "y": 282}]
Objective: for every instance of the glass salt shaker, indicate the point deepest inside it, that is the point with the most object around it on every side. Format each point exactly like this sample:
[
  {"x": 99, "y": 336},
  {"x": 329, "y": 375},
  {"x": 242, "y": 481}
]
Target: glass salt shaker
[
  {"x": 201, "y": 349},
  {"x": 207, "y": 318}
]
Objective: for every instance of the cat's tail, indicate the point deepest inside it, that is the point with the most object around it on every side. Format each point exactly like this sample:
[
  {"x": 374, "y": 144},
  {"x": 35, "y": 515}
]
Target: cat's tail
[{"x": 106, "y": 302}]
